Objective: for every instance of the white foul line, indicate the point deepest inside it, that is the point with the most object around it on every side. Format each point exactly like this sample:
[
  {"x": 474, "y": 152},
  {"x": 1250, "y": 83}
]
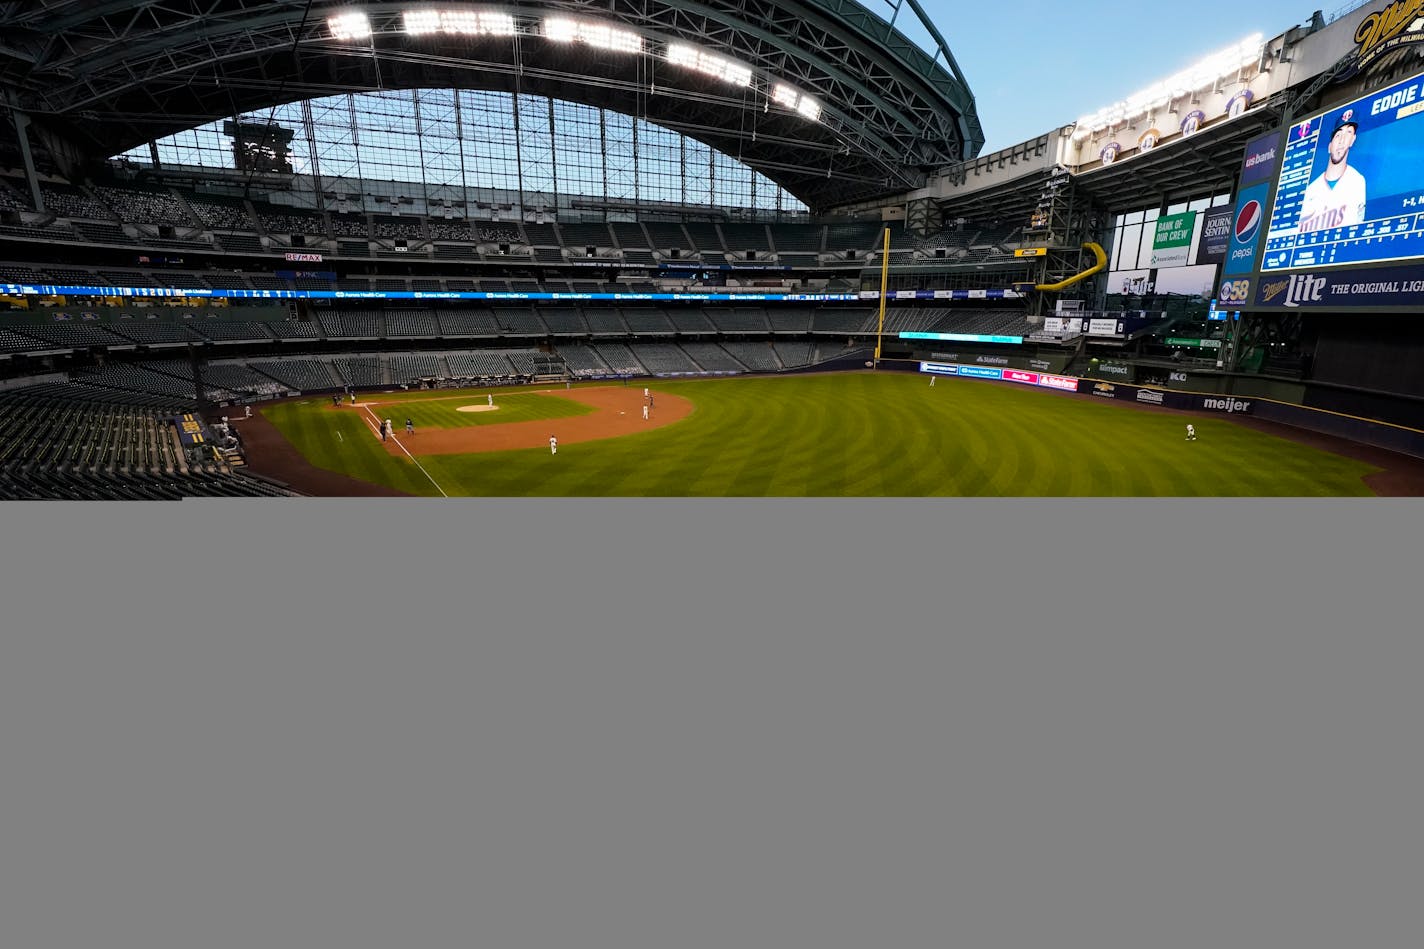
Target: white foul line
[{"x": 407, "y": 452}]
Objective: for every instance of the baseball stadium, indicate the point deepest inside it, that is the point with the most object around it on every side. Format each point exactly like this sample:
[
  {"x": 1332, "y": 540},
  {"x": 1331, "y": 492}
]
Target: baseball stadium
[{"x": 727, "y": 249}]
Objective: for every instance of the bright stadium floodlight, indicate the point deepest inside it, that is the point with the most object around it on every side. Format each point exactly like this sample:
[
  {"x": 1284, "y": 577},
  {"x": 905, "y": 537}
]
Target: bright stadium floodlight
[
  {"x": 420, "y": 22},
  {"x": 497, "y": 24},
  {"x": 725, "y": 69},
  {"x": 599, "y": 35},
  {"x": 1216, "y": 66},
  {"x": 798, "y": 102},
  {"x": 458, "y": 22},
  {"x": 349, "y": 26}
]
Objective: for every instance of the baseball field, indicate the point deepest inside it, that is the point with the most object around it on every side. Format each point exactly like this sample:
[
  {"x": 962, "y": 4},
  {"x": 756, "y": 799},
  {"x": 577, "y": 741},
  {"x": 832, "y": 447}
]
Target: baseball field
[{"x": 859, "y": 434}]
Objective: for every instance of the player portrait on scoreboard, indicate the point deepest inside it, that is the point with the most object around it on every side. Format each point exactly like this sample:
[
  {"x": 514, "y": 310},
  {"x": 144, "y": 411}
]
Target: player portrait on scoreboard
[{"x": 1336, "y": 198}]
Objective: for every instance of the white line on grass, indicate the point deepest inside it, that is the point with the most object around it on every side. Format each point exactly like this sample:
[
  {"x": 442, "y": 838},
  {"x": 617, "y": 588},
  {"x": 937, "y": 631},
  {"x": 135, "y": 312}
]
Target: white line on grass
[{"x": 377, "y": 428}]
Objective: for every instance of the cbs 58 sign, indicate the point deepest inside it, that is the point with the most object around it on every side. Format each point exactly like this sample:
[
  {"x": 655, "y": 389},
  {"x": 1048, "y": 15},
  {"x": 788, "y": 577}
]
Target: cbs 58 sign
[{"x": 1236, "y": 290}]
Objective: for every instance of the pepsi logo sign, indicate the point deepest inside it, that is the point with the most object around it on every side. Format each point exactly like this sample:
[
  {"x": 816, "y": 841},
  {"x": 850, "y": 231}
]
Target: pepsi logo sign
[{"x": 1248, "y": 221}]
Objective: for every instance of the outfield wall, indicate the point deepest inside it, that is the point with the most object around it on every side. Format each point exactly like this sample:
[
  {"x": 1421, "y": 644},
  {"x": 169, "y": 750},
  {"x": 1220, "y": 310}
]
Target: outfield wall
[{"x": 1233, "y": 398}]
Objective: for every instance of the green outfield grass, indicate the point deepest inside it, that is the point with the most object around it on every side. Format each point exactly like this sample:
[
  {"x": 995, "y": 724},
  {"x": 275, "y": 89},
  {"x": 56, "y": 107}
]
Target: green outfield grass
[{"x": 857, "y": 435}]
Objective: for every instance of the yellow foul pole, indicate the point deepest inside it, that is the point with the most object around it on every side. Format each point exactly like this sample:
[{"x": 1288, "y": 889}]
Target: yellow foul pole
[{"x": 884, "y": 282}]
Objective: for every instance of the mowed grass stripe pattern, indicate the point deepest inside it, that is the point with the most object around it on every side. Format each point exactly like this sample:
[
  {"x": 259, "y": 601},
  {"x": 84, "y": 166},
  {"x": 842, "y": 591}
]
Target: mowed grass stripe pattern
[{"x": 875, "y": 435}]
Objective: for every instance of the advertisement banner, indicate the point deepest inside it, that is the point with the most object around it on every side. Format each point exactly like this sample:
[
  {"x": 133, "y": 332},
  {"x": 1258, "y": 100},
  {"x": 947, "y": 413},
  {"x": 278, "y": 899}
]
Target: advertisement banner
[
  {"x": 1065, "y": 383},
  {"x": 989, "y": 294},
  {"x": 1383, "y": 31},
  {"x": 1045, "y": 363},
  {"x": 1172, "y": 242},
  {"x": 302, "y": 258},
  {"x": 979, "y": 359},
  {"x": 963, "y": 338},
  {"x": 1227, "y": 404},
  {"x": 1113, "y": 370},
  {"x": 1191, "y": 402},
  {"x": 1247, "y": 225},
  {"x": 1387, "y": 286},
  {"x": 1104, "y": 328},
  {"x": 1216, "y": 235},
  {"x": 1259, "y": 162},
  {"x": 57, "y": 290}
]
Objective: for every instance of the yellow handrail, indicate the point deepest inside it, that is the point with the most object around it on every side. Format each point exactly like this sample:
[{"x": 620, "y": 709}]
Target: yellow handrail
[{"x": 1098, "y": 252}]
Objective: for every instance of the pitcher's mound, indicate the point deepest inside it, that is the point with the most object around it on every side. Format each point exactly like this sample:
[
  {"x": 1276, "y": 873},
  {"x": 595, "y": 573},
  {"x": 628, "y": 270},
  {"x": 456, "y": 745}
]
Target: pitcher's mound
[{"x": 477, "y": 408}]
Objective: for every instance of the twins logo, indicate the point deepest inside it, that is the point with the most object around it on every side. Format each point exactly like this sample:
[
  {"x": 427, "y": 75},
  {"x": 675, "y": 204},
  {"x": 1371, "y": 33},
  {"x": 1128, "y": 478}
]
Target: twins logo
[{"x": 1248, "y": 221}]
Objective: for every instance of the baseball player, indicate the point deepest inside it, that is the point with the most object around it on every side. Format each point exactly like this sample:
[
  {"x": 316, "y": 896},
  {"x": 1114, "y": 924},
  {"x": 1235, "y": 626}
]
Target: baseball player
[
  {"x": 1191, "y": 433},
  {"x": 1336, "y": 198},
  {"x": 553, "y": 445}
]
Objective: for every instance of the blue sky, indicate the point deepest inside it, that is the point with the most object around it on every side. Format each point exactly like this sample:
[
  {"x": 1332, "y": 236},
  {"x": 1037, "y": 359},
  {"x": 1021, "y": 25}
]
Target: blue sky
[{"x": 1034, "y": 65}]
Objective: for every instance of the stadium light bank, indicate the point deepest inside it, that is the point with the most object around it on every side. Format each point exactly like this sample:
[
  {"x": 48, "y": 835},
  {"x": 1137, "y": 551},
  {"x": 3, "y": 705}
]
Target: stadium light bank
[
  {"x": 475, "y": 21},
  {"x": 1220, "y": 65}
]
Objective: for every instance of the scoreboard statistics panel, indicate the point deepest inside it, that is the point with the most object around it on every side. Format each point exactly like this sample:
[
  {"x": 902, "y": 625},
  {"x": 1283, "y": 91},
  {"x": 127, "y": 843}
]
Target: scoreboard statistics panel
[{"x": 1370, "y": 208}]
